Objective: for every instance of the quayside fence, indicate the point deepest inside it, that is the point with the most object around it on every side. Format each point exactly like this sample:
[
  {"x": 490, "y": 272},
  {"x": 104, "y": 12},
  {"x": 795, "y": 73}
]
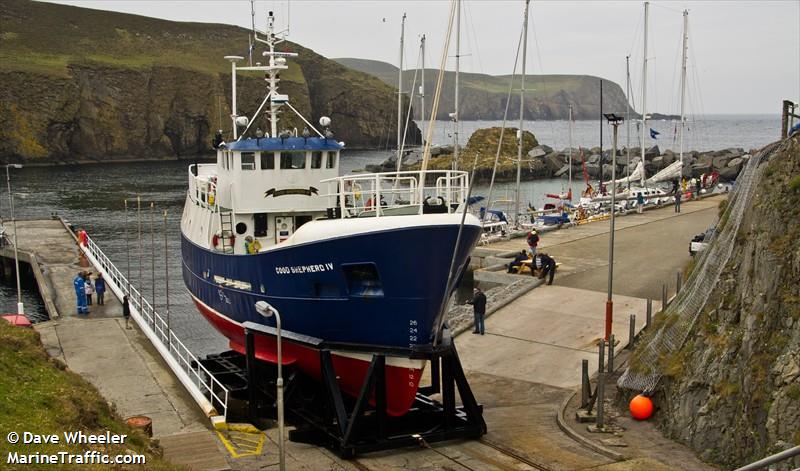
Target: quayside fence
[{"x": 210, "y": 394}]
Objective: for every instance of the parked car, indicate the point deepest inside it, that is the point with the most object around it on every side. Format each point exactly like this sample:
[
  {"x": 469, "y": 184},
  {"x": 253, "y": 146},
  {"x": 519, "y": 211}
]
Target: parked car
[{"x": 700, "y": 241}]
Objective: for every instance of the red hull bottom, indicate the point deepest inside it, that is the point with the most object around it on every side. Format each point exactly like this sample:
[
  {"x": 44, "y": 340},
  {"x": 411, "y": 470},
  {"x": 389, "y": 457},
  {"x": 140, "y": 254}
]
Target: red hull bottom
[{"x": 402, "y": 375}]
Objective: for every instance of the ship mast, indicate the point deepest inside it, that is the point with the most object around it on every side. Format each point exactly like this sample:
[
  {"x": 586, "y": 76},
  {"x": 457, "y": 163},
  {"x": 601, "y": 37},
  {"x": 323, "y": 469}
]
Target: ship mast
[
  {"x": 628, "y": 118},
  {"x": 683, "y": 81},
  {"x": 569, "y": 124},
  {"x": 422, "y": 86},
  {"x": 458, "y": 64},
  {"x": 644, "y": 82},
  {"x": 521, "y": 109},
  {"x": 400, "y": 91}
]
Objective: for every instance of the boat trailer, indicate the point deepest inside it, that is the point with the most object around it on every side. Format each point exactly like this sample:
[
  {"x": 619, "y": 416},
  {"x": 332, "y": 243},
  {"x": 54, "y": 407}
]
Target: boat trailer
[{"x": 322, "y": 415}]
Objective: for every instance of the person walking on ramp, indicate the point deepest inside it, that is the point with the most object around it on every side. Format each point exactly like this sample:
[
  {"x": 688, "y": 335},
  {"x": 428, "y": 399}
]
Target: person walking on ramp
[
  {"x": 100, "y": 289},
  {"x": 479, "y": 310}
]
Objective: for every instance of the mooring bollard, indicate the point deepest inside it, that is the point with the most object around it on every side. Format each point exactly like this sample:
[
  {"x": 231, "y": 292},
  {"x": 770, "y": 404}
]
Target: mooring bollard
[
  {"x": 663, "y": 297},
  {"x": 678, "y": 282},
  {"x": 611, "y": 344},
  {"x": 649, "y": 317},
  {"x": 632, "y": 332},
  {"x": 586, "y": 388}
]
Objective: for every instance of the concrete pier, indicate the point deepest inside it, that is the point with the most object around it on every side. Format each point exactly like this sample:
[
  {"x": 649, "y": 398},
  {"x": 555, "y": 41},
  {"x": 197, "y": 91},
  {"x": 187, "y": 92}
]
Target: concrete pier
[{"x": 121, "y": 363}]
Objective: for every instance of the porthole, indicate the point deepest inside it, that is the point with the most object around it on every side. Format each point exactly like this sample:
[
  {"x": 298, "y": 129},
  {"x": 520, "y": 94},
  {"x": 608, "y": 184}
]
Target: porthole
[{"x": 241, "y": 228}]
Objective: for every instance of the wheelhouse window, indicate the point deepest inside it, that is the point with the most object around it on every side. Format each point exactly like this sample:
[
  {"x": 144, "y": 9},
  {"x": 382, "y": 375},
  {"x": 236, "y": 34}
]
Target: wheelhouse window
[
  {"x": 316, "y": 159},
  {"x": 293, "y": 160},
  {"x": 330, "y": 162},
  {"x": 267, "y": 160},
  {"x": 363, "y": 280},
  {"x": 248, "y": 160}
]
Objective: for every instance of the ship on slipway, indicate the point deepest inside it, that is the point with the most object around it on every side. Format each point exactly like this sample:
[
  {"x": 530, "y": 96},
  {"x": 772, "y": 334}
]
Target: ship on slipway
[{"x": 366, "y": 261}]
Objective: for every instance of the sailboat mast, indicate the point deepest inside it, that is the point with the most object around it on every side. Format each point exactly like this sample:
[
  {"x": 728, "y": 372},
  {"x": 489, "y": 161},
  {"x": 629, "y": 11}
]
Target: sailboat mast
[
  {"x": 683, "y": 80},
  {"x": 521, "y": 108},
  {"x": 628, "y": 118},
  {"x": 600, "y": 177},
  {"x": 458, "y": 64},
  {"x": 644, "y": 81},
  {"x": 422, "y": 85},
  {"x": 569, "y": 189},
  {"x": 400, "y": 90}
]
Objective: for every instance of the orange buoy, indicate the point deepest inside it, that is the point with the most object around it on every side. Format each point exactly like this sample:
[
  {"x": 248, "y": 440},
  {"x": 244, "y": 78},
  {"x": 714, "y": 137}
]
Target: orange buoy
[{"x": 641, "y": 407}]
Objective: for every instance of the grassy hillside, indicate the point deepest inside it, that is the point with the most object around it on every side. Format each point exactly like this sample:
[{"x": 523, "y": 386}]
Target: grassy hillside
[
  {"x": 483, "y": 96},
  {"x": 78, "y": 84},
  {"x": 39, "y": 395}
]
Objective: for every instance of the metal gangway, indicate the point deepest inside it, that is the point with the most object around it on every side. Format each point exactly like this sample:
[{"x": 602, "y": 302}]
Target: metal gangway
[{"x": 210, "y": 394}]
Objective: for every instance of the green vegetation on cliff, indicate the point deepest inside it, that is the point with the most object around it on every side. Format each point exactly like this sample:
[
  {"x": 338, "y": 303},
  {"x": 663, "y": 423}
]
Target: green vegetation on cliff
[
  {"x": 39, "y": 395},
  {"x": 83, "y": 84}
]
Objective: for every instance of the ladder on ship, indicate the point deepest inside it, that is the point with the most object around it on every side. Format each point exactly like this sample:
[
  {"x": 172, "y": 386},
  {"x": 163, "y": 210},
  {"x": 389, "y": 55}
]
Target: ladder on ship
[{"x": 226, "y": 229}]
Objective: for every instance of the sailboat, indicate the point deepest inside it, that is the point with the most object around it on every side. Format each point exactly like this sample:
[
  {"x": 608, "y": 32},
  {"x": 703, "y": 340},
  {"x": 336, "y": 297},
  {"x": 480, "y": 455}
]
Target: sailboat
[{"x": 356, "y": 263}]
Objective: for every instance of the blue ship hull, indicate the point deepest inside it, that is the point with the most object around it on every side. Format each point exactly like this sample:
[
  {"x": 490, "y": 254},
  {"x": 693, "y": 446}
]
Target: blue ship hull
[{"x": 308, "y": 284}]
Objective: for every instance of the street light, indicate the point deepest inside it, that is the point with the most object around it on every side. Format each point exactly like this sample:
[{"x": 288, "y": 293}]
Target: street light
[
  {"x": 20, "y": 306},
  {"x": 266, "y": 310},
  {"x": 614, "y": 121}
]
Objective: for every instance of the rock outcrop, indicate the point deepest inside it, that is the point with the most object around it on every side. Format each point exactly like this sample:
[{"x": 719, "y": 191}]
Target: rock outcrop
[
  {"x": 78, "y": 84},
  {"x": 732, "y": 392}
]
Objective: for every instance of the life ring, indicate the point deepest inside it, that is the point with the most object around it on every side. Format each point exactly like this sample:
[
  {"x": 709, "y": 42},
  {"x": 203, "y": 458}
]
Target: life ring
[{"x": 215, "y": 240}]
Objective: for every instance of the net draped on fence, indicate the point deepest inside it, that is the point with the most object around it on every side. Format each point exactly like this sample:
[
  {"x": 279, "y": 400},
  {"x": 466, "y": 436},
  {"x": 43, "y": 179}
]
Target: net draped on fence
[{"x": 687, "y": 306}]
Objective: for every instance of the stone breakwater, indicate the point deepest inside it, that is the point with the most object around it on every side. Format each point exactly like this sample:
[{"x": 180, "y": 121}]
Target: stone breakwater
[{"x": 545, "y": 162}]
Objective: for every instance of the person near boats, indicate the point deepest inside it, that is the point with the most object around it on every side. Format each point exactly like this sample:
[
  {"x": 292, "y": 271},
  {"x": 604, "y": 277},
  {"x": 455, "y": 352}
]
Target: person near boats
[
  {"x": 547, "y": 266},
  {"x": 533, "y": 241},
  {"x": 677, "y": 201},
  {"x": 517, "y": 262},
  {"x": 640, "y": 202},
  {"x": 100, "y": 289},
  {"x": 478, "y": 302},
  {"x": 88, "y": 288},
  {"x": 80, "y": 293}
]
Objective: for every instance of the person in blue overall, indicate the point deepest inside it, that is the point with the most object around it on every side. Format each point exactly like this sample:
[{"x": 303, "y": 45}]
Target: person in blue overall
[{"x": 80, "y": 293}]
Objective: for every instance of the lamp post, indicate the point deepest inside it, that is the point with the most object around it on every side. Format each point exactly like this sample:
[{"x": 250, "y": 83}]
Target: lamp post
[
  {"x": 614, "y": 121},
  {"x": 266, "y": 310},
  {"x": 20, "y": 306}
]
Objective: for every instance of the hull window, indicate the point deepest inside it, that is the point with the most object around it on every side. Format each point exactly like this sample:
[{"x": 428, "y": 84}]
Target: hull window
[
  {"x": 316, "y": 159},
  {"x": 260, "y": 224},
  {"x": 268, "y": 161},
  {"x": 300, "y": 220},
  {"x": 248, "y": 161},
  {"x": 293, "y": 160},
  {"x": 363, "y": 280},
  {"x": 241, "y": 228}
]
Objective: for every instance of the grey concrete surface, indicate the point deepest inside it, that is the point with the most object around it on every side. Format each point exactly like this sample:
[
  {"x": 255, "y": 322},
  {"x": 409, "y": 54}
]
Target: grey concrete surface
[{"x": 121, "y": 363}]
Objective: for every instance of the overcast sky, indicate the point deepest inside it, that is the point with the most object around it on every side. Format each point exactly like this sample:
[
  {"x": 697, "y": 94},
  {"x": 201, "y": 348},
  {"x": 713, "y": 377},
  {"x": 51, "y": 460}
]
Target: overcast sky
[{"x": 744, "y": 56}]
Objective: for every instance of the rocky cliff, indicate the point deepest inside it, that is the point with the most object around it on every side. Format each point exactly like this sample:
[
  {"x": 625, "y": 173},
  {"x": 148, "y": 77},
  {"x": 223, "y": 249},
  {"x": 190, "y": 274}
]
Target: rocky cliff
[
  {"x": 483, "y": 97},
  {"x": 80, "y": 84},
  {"x": 732, "y": 392}
]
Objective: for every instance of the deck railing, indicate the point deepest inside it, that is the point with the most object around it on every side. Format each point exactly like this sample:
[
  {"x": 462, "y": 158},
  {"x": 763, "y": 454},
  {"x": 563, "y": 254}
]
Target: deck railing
[
  {"x": 396, "y": 193},
  {"x": 207, "y": 391},
  {"x": 202, "y": 189}
]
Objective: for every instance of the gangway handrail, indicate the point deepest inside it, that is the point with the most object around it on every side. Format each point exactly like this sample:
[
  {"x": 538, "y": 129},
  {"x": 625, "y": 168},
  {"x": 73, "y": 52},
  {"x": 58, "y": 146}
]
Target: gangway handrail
[{"x": 204, "y": 388}]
